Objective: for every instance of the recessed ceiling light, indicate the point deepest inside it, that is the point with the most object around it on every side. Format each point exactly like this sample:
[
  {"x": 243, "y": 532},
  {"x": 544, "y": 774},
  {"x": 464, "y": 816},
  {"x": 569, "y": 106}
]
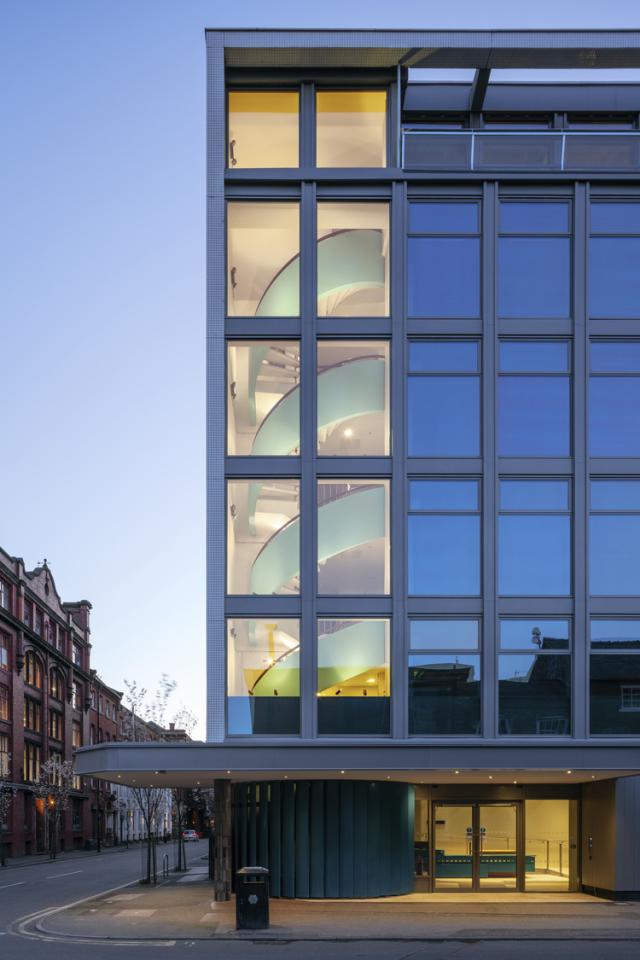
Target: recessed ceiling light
[
  {"x": 347, "y": 433},
  {"x": 456, "y": 771},
  {"x": 569, "y": 771},
  {"x": 490, "y": 777},
  {"x": 342, "y": 771},
  {"x": 228, "y": 771}
]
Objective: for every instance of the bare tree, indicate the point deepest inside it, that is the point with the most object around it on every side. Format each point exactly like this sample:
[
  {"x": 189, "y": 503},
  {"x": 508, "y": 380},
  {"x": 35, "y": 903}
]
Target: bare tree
[
  {"x": 149, "y": 801},
  {"x": 54, "y": 786}
]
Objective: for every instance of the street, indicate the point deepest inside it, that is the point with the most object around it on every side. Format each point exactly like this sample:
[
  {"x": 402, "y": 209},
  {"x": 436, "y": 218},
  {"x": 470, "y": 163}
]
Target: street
[{"x": 28, "y": 889}]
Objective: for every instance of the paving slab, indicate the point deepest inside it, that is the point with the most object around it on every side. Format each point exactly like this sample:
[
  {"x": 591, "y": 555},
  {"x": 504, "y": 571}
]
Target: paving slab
[{"x": 174, "y": 910}]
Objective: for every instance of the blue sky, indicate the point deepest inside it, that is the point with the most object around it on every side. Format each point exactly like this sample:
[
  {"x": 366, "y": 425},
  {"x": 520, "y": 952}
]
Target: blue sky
[{"x": 102, "y": 305}]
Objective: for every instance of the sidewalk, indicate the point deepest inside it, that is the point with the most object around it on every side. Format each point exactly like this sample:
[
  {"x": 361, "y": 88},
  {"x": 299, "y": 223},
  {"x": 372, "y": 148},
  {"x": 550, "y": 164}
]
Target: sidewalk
[{"x": 182, "y": 908}]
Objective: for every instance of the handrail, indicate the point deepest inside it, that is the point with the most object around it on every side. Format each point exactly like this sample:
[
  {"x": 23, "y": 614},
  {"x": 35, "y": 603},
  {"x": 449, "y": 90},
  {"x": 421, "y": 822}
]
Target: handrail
[{"x": 562, "y": 138}]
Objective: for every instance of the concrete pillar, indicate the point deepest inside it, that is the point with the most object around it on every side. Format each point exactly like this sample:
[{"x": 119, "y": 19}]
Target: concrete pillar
[{"x": 222, "y": 865}]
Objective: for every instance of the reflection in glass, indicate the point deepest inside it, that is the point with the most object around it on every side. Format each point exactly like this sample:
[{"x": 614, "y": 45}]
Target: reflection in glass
[
  {"x": 614, "y": 279},
  {"x": 444, "y": 494},
  {"x": 351, "y": 128},
  {"x": 615, "y": 494},
  {"x": 615, "y": 217},
  {"x": 263, "y": 676},
  {"x": 263, "y": 536},
  {"x": 534, "y": 494},
  {"x": 444, "y": 217},
  {"x": 263, "y": 398},
  {"x": 534, "y": 555},
  {"x": 531, "y": 217},
  {"x": 615, "y": 634},
  {"x": 533, "y": 277},
  {"x": 533, "y": 416},
  {"x": 444, "y": 694},
  {"x": 443, "y": 634},
  {"x": 353, "y": 259},
  {"x": 263, "y": 259},
  {"x": 353, "y": 677},
  {"x": 443, "y": 356},
  {"x": 615, "y": 692},
  {"x": 444, "y": 555},
  {"x": 548, "y": 851},
  {"x": 615, "y": 356},
  {"x": 444, "y": 276},
  {"x": 534, "y": 356},
  {"x": 263, "y": 128},
  {"x": 614, "y": 416},
  {"x": 353, "y": 398},
  {"x": 529, "y": 634},
  {"x": 353, "y": 537},
  {"x": 444, "y": 411},
  {"x": 534, "y": 694},
  {"x": 614, "y": 555}
]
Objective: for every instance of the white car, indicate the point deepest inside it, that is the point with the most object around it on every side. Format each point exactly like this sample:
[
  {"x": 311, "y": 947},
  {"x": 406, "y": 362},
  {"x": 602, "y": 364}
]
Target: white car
[{"x": 190, "y": 835}]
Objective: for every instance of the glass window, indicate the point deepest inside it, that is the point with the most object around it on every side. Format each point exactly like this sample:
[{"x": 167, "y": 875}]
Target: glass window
[
  {"x": 353, "y": 398},
  {"x": 5, "y": 595},
  {"x": 533, "y": 407},
  {"x": 526, "y": 634},
  {"x": 444, "y": 411},
  {"x": 263, "y": 397},
  {"x": 5, "y": 647},
  {"x": 4, "y": 702},
  {"x": 614, "y": 399},
  {"x": 444, "y": 538},
  {"x": 550, "y": 849},
  {"x": 532, "y": 217},
  {"x": 33, "y": 670},
  {"x": 614, "y": 538},
  {"x": 614, "y": 668},
  {"x": 444, "y": 694},
  {"x": 263, "y": 128},
  {"x": 444, "y": 356},
  {"x": 263, "y": 259},
  {"x": 614, "y": 280},
  {"x": 351, "y": 128},
  {"x": 4, "y": 754},
  {"x": 353, "y": 687},
  {"x": 534, "y": 694},
  {"x": 443, "y": 217},
  {"x": 263, "y": 536},
  {"x": 263, "y": 677},
  {"x": 444, "y": 634},
  {"x": 444, "y": 277},
  {"x": 534, "y": 547},
  {"x": 353, "y": 537},
  {"x": 533, "y": 277},
  {"x": 617, "y": 217},
  {"x": 353, "y": 259}
]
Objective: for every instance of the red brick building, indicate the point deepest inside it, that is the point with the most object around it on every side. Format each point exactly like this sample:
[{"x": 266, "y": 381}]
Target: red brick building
[{"x": 45, "y": 684}]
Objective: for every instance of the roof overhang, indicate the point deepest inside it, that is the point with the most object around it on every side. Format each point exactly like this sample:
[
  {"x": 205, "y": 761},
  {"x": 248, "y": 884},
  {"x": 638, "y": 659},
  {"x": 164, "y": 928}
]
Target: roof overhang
[
  {"x": 477, "y": 49},
  {"x": 191, "y": 764}
]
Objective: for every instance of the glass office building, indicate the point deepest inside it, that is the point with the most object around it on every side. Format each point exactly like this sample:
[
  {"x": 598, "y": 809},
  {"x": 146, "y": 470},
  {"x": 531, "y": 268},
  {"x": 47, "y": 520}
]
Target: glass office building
[{"x": 424, "y": 460}]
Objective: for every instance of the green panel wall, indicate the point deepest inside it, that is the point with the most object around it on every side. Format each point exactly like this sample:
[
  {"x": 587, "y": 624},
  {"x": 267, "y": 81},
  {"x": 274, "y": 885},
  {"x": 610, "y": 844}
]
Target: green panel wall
[{"x": 327, "y": 839}]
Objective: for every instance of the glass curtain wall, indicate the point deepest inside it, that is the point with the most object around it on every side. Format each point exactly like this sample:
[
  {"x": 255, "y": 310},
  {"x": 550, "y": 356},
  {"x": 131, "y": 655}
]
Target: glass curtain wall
[
  {"x": 353, "y": 688},
  {"x": 534, "y": 678},
  {"x": 351, "y": 128},
  {"x": 444, "y": 677},
  {"x": 263, "y": 676},
  {"x": 263, "y": 258},
  {"x": 615, "y": 677},
  {"x": 352, "y": 397},
  {"x": 263, "y": 128},
  {"x": 263, "y": 398},
  {"x": 353, "y": 259}
]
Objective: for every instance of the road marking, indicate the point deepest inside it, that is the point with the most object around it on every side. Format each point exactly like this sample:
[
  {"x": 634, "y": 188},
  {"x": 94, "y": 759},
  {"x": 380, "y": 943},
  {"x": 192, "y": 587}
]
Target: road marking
[
  {"x": 56, "y": 876},
  {"x": 18, "y": 884}
]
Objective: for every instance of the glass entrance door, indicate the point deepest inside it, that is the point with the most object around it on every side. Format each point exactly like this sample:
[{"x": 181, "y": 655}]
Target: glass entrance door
[
  {"x": 498, "y": 843},
  {"x": 477, "y": 847}
]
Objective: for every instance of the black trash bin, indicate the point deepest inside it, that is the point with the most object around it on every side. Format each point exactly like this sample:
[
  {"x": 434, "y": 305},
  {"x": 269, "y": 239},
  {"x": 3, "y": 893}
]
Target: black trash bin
[{"x": 252, "y": 898}]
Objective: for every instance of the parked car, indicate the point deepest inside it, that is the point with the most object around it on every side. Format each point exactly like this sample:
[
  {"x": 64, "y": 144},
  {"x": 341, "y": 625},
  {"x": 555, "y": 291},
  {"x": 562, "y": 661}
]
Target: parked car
[{"x": 190, "y": 835}]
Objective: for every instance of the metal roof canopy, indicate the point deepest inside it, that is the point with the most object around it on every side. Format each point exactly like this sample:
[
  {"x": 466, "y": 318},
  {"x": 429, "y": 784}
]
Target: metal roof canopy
[{"x": 477, "y": 49}]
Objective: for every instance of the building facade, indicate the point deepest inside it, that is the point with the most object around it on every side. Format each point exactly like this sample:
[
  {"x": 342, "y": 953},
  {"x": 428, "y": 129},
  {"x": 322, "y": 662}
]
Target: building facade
[
  {"x": 423, "y": 531},
  {"x": 45, "y": 675}
]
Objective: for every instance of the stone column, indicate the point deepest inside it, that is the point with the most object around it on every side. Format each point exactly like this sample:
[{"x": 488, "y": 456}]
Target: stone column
[{"x": 222, "y": 861}]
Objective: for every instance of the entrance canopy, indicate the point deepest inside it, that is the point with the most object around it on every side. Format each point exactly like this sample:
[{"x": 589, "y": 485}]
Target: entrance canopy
[{"x": 198, "y": 764}]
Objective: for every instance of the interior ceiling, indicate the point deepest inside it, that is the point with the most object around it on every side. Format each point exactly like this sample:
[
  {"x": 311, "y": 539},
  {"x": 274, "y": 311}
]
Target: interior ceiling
[{"x": 204, "y": 778}]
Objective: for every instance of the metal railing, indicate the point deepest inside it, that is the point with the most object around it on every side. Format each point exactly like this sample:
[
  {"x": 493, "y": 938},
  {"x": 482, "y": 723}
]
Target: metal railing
[{"x": 543, "y": 150}]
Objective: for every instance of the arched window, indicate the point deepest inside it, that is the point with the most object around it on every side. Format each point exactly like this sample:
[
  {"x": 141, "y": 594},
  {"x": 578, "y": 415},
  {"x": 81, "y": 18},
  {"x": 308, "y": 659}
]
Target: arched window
[
  {"x": 33, "y": 670},
  {"x": 55, "y": 684}
]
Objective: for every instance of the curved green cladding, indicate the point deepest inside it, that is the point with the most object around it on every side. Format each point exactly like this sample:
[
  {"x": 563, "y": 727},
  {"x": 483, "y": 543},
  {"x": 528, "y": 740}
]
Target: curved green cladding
[
  {"x": 327, "y": 838},
  {"x": 343, "y": 524},
  {"x": 350, "y": 652},
  {"x": 348, "y": 260},
  {"x": 350, "y": 389}
]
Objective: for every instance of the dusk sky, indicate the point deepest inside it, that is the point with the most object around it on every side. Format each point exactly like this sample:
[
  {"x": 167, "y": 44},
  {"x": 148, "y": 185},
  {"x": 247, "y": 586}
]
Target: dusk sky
[{"x": 102, "y": 449}]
